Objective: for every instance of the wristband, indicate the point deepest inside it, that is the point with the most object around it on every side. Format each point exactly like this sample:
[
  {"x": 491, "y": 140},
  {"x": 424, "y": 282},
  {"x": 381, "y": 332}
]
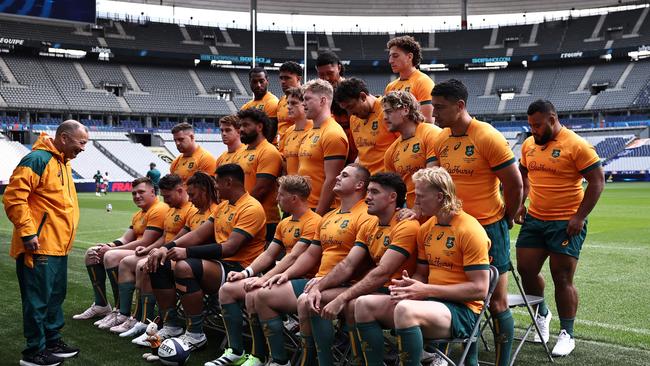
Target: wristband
[
  {"x": 118, "y": 243},
  {"x": 249, "y": 271},
  {"x": 170, "y": 245}
]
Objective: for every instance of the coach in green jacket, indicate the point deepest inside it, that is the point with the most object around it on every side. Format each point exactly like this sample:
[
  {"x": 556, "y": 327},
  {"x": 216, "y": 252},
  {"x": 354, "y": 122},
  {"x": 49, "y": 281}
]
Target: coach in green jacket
[{"x": 41, "y": 202}]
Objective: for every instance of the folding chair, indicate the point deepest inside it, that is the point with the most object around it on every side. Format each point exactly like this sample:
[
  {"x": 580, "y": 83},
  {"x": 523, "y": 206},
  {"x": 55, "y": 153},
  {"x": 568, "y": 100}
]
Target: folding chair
[
  {"x": 520, "y": 300},
  {"x": 475, "y": 334}
]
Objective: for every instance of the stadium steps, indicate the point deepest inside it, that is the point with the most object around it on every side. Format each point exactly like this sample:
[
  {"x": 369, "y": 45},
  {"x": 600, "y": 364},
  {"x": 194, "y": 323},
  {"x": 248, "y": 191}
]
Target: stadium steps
[
  {"x": 6, "y": 71},
  {"x": 238, "y": 83},
  {"x": 115, "y": 160},
  {"x": 124, "y": 104},
  {"x": 130, "y": 79},
  {"x": 88, "y": 85},
  {"x": 624, "y": 75},
  {"x": 197, "y": 82},
  {"x": 594, "y": 35},
  {"x": 585, "y": 79},
  {"x": 637, "y": 26}
]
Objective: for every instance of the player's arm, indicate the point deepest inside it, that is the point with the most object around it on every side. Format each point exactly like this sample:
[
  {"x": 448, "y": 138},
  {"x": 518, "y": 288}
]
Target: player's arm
[
  {"x": 421, "y": 272},
  {"x": 474, "y": 289},
  {"x": 186, "y": 229},
  {"x": 595, "y": 184},
  {"x": 332, "y": 168},
  {"x": 512, "y": 190},
  {"x": 288, "y": 260},
  {"x": 266, "y": 259},
  {"x": 220, "y": 250},
  {"x": 264, "y": 184},
  {"x": 150, "y": 235},
  {"x": 389, "y": 263},
  {"x": 306, "y": 261},
  {"x": 15, "y": 199},
  {"x": 521, "y": 212},
  {"x": 344, "y": 269},
  {"x": 202, "y": 234}
]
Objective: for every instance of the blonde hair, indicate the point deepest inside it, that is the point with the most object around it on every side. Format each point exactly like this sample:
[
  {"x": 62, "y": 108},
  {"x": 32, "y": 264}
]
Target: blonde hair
[
  {"x": 231, "y": 120},
  {"x": 319, "y": 87},
  {"x": 403, "y": 99},
  {"x": 295, "y": 184},
  {"x": 439, "y": 179}
]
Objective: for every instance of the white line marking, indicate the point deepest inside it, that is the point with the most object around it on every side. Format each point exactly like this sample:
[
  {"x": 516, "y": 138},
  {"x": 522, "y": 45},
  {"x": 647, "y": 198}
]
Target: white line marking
[{"x": 622, "y": 328}]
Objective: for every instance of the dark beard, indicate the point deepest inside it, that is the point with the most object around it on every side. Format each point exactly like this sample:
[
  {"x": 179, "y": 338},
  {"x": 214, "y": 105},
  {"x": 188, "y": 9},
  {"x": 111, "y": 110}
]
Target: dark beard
[
  {"x": 247, "y": 139},
  {"x": 544, "y": 139}
]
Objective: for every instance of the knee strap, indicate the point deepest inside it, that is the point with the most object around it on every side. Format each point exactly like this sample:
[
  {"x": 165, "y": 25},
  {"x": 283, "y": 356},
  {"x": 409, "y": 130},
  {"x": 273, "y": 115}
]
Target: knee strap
[
  {"x": 186, "y": 286},
  {"x": 196, "y": 265},
  {"x": 163, "y": 278}
]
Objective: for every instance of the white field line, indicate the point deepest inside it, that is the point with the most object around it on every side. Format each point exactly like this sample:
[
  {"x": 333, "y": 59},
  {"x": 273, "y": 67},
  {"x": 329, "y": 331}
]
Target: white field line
[{"x": 618, "y": 327}]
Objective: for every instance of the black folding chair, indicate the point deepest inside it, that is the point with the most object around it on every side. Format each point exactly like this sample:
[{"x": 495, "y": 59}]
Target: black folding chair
[{"x": 475, "y": 334}]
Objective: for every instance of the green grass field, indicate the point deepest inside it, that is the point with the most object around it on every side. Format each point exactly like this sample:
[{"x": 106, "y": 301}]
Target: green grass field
[{"x": 612, "y": 326}]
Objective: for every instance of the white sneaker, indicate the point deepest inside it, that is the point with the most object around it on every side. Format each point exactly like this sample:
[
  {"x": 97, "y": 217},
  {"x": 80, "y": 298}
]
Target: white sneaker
[
  {"x": 108, "y": 317},
  {"x": 432, "y": 359},
  {"x": 544, "y": 324},
  {"x": 565, "y": 344},
  {"x": 193, "y": 341},
  {"x": 252, "y": 361},
  {"x": 164, "y": 333},
  {"x": 227, "y": 358},
  {"x": 94, "y": 311},
  {"x": 124, "y": 326},
  {"x": 115, "y": 320},
  {"x": 136, "y": 330},
  {"x": 273, "y": 363}
]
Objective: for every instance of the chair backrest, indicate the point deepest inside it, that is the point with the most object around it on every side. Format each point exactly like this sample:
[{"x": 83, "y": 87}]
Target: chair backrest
[{"x": 494, "y": 280}]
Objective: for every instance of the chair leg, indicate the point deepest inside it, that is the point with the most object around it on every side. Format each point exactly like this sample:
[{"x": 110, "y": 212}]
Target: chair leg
[{"x": 532, "y": 315}]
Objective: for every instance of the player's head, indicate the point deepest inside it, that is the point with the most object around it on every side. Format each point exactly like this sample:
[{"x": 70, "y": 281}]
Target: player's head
[
  {"x": 259, "y": 82},
  {"x": 172, "y": 190},
  {"x": 352, "y": 179},
  {"x": 293, "y": 191},
  {"x": 229, "y": 126},
  {"x": 71, "y": 138},
  {"x": 449, "y": 100},
  {"x": 184, "y": 137},
  {"x": 143, "y": 192},
  {"x": 329, "y": 67},
  {"x": 400, "y": 107},
  {"x": 152, "y": 165},
  {"x": 290, "y": 75},
  {"x": 253, "y": 123},
  {"x": 230, "y": 180},
  {"x": 317, "y": 97},
  {"x": 295, "y": 109},
  {"x": 435, "y": 192},
  {"x": 202, "y": 190},
  {"x": 404, "y": 53},
  {"x": 542, "y": 117},
  {"x": 352, "y": 95},
  {"x": 386, "y": 191}
]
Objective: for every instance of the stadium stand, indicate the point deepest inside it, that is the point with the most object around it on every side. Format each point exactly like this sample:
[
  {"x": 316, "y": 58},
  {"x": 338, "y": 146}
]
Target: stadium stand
[
  {"x": 11, "y": 152},
  {"x": 134, "y": 155}
]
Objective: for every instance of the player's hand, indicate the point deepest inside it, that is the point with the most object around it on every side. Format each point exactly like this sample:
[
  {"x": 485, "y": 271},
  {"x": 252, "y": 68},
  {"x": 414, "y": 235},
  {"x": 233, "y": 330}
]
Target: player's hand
[
  {"x": 252, "y": 283},
  {"x": 311, "y": 284},
  {"x": 575, "y": 225},
  {"x": 313, "y": 298},
  {"x": 406, "y": 214},
  {"x": 141, "y": 251},
  {"x": 277, "y": 279},
  {"x": 177, "y": 254},
  {"x": 156, "y": 258},
  {"x": 521, "y": 215},
  {"x": 407, "y": 288},
  {"x": 235, "y": 276},
  {"x": 332, "y": 310},
  {"x": 97, "y": 254},
  {"x": 31, "y": 244}
]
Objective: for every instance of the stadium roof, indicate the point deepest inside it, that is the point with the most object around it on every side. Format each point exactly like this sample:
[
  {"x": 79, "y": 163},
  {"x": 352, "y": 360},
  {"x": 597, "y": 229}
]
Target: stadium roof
[{"x": 393, "y": 7}]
